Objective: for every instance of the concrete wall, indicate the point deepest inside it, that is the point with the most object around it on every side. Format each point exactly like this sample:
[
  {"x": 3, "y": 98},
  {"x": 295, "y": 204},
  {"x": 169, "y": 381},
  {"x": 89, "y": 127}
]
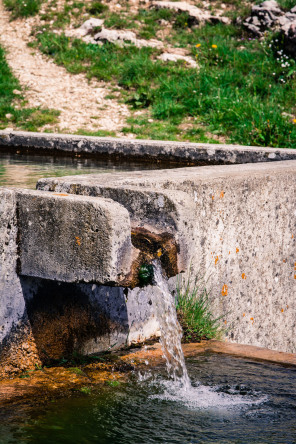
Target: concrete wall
[{"x": 242, "y": 241}]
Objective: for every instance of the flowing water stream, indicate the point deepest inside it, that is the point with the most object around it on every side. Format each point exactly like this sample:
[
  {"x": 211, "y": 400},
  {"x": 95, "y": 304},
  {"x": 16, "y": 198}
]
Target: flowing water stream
[{"x": 170, "y": 329}]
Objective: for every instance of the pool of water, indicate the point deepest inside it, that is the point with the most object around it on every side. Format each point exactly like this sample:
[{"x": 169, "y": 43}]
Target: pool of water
[
  {"x": 232, "y": 401},
  {"x": 23, "y": 170}
]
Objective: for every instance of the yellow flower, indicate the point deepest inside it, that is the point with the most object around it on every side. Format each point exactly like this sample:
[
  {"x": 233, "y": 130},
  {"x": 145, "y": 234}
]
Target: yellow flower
[
  {"x": 294, "y": 120},
  {"x": 214, "y": 46},
  {"x": 198, "y": 45}
]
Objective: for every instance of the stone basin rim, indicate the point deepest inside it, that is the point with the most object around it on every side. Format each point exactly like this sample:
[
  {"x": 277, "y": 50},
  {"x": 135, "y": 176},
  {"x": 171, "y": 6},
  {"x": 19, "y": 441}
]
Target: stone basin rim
[{"x": 142, "y": 150}]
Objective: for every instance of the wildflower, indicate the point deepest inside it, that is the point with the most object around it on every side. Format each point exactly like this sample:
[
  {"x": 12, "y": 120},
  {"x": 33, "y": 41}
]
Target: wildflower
[
  {"x": 294, "y": 121},
  {"x": 198, "y": 45},
  {"x": 214, "y": 46}
]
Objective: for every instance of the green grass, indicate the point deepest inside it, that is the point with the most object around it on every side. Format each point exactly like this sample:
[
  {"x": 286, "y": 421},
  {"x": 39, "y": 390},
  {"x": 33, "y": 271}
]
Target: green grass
[
  {"x": 96, "y": 8},
  {"x": 98, "y": 133},
  {"x": 22, "y": 8},
  {"x": 286, "y": 5},
  {"x": 143, "y": 128},
  {"x": 194, "y": 311},
  {"x": 12, "y": 105},
  {"x": 240, "y": 92}
]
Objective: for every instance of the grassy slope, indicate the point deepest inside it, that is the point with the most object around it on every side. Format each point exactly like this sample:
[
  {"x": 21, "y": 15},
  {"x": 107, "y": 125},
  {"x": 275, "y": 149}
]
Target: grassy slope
[
  {"x": 12, "y": 110},
  {"x": 243, "y": 91}
]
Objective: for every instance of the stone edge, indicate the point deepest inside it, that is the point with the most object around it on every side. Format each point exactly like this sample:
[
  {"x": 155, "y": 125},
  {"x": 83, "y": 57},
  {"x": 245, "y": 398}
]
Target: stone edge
[{"x": 144, "y": 150}]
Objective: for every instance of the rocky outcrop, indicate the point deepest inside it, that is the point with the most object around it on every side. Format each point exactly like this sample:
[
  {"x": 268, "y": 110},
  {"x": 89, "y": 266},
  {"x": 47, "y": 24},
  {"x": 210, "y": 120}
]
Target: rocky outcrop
[
  {"x": 263, "y": 17},
  {"x": 122, "y": 37},
  {"x": 196, "y": 15},
  {"x": 269, "y": 16}
]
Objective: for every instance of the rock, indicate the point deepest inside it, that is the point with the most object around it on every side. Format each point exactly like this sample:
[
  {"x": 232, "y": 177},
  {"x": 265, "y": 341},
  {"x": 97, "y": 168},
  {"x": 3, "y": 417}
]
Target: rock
[
  {"x": 196, "y": 15},
  {"x": 17, "y": 92},
  {"x": 8, "y": 116},
  {"x": 263, "y": 17},
  {"x": 268, "y": 15},
  {"x": 289, "y": 33},
  {"x": 86, "y": 31},
  {"x": 122, "y": 37},
  {"x": 286, "y": 20},
  {"x": 168, "y": 57},
  {"x": 90, "y": 26}
]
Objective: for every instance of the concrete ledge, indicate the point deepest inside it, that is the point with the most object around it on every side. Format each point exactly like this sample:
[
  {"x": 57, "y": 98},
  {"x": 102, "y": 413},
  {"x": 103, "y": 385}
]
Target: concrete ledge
[
  {"x": 145, "y": 150},
  {"x": 73, "y": 238}
]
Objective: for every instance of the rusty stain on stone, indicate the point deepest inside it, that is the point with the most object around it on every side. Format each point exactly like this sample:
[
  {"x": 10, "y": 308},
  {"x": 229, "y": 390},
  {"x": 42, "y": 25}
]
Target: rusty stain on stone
[
  {"x": 224, "y": 290},
  {"x": 150, "y": 246}
]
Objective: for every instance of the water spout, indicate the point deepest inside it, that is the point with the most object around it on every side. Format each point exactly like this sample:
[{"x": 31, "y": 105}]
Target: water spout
[{"x": 170, "y": 329}]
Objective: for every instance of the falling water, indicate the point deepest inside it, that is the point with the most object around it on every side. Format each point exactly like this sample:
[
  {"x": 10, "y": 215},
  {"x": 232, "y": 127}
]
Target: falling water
[
  {"x": 196, "y": 395},
  {"x": 170, "y": 329}
]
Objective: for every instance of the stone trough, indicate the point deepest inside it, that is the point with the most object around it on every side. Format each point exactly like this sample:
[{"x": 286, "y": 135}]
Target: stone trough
[{"x": 70, "y": 251}]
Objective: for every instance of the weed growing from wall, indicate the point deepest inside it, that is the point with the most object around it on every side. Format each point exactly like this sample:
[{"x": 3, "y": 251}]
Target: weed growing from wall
[{"x": 194, "y": 311}]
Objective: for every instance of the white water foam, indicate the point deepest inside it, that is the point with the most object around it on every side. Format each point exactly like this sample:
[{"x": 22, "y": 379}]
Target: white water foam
[{"x": 203, "y": 397}]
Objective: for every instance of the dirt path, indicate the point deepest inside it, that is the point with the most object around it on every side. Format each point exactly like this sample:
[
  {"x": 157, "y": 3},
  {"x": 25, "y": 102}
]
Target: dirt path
[{"x": 82, "y": 104}]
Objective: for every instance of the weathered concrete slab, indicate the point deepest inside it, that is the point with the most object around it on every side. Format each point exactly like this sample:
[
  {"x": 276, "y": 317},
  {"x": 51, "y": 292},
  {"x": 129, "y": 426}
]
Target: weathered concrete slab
[
  {"x": 243, "y": 239},
  {"x": 145, "y": 150},
  {"x": 73, "y": 238},
  {"x": 42, "y": 320},
  {"x": 12, "y": 306}
]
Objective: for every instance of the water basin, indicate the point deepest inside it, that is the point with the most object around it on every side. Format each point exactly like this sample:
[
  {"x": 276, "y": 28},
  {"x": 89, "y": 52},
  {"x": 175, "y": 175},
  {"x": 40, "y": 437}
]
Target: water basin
[
  {"x": 233, "y": 400},
  {"x": 23, "y": 170}
]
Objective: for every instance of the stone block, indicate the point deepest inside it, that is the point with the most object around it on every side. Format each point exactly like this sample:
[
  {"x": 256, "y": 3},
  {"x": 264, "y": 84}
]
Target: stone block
[{"x": 73, "y": 238}]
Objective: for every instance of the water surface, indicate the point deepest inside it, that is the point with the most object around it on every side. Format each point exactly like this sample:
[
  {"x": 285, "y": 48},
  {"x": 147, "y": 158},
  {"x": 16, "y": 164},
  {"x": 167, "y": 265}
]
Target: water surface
[
  {"x": 236, "y": 401},
  {"x": 23, "y": 170}
]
